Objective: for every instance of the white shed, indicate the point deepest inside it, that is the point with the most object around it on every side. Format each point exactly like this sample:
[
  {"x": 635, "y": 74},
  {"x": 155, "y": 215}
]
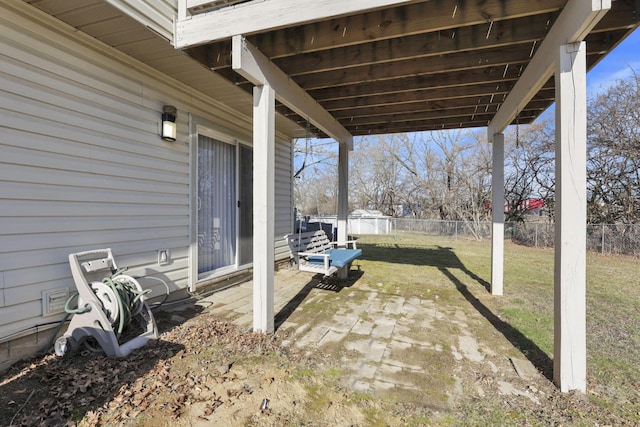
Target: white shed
[{"x": 367, "y": 221}]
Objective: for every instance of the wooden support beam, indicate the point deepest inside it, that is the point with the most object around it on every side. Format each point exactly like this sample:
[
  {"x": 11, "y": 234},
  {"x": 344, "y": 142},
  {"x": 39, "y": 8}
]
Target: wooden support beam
[
  {"x": 467, "y": 106},
  {"x": 570, "y": 353},
  {"x": 497, "y": 206},
  {"x": 435, "y": 44},
  {"x": 389, "y": 79},
  {"x": 574, "y": 23},
  {"x": 263, "y": 208},
  {"x": 403, "y": 21},
  {"x": 506, "y": 63},
  {"x": 494, "y": 75},
  {"x": 419, "y": 20},
  {"x": 464, "y": 114},
  {"x": 255, "y": 67},
  {"x": 503, "y": 57},
  {"x": 258, "y": 16},
  {"x": 416, "y": 126},
  {"x": 481, "y": 115},
  {"x": 526, "y": 117},
  {"x": 452, "y": 119}
]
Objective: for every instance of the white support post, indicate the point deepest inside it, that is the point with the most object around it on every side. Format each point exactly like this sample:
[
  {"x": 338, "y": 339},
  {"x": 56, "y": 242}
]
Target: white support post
[
  {"x": 576, "y": 20},
  {"x": 343, "y": 192},
  {"x": 253, "y": 65},
  {"x": 570, "y": 354},
  {"x": 263, "y": 207},
  {"x": 497, "y": 205},
  {"x": 249, "y": 62}
]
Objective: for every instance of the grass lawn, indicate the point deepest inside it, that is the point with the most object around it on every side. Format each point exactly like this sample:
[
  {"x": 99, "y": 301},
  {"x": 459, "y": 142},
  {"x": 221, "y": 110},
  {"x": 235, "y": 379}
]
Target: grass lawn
[{"x": 414, "y": 265}]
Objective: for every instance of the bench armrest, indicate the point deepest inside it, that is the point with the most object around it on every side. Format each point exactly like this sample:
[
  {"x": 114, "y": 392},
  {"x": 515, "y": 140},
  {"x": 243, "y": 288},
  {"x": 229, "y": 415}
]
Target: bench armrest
[
  {"x": 306, "y": 254},
  {"x": 316, "y": 254}
]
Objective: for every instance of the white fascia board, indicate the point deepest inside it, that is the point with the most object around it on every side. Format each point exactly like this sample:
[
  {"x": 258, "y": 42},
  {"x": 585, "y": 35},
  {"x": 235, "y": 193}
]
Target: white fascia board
[
  {"x": 151, "y": 14},
  {"x": 218, "y": 3},
  {"x": 257, "y": 16},
  {"x": 253, "y": 65},
  {"x": 576, "y": 20}
]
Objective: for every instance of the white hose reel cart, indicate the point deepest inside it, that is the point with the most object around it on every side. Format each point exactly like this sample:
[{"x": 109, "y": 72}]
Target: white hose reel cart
[{"x": 102, "y": 313}]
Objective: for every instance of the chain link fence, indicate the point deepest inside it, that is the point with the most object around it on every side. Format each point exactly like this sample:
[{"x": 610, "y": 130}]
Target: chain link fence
[
  {"x": 621, "y": 239},
  {"x": 603, "y": 238},
  {"x": 455, "y": 229}
]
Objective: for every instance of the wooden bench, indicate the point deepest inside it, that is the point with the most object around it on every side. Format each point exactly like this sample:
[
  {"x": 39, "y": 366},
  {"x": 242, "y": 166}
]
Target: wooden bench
[{"x": 315, "y": 253}]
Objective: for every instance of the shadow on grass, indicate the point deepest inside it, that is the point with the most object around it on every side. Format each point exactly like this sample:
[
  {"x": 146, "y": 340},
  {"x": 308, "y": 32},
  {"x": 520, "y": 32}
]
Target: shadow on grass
[
  {"x": 438, "y": 257},
  {"x": 316, "y": 282},
  {"x": 445, "y": 260},
  {"x": 529, "y": 349}
]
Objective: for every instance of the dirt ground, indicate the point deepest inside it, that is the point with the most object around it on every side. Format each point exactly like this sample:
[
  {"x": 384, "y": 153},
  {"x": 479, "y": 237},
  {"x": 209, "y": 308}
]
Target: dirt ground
[{"x": 200, "y": 372}]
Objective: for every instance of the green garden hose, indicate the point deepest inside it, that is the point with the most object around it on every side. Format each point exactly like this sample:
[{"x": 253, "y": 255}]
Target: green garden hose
[
  {"x": 128, "y": 297},
  {"x": 127, "y": 303}
]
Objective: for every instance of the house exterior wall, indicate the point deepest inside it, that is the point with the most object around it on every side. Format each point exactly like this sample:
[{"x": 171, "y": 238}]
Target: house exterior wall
[{"x": 82, "y": 167}]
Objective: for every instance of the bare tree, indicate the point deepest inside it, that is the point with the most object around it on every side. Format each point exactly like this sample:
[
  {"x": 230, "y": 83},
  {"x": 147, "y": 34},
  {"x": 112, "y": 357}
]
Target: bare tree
[
  {"x": 614, "y": 154},
  {"x": 315, "y": 176},
  {"x": 379, "y": 180},
  {"x": 308, "y": 153},
  {"x": 444, "y": 175},
  {"x": 457, "y": 171},
  {"x": 315, "y": 191},
  {"x": 529, "y": 167},
  {"x": 417, "y": 162}
]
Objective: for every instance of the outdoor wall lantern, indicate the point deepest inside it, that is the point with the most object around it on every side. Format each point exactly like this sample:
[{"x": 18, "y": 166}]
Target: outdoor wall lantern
[{"x": 168, "y": 130}]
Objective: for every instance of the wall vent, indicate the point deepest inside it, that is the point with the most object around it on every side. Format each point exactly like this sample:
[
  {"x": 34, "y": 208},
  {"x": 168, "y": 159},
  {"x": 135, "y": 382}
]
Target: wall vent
[{"x": 54, "y": 300}]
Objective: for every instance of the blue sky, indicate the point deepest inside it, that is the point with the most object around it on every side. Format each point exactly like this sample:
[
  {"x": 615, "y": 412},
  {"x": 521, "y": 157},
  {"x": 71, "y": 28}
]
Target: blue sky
[{"x": 616, "y": 65}]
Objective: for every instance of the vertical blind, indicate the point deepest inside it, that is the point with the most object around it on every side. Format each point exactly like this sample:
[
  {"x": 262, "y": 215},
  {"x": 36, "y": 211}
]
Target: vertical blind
[{"x": 216, "y": 204}]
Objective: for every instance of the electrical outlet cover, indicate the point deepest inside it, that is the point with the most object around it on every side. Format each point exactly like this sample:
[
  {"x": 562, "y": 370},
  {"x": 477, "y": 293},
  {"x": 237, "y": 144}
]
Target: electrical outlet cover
[{"x": 163, "y": 256}]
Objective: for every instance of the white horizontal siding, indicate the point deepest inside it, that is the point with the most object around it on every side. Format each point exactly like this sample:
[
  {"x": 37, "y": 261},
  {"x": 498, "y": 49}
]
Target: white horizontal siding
[
  {"x": 2, "y": 304},
  {"x": 31, "y": 47},
  {"x": 82, "y": 165},
  {"x": 74, "y": 223},
  {"x": 30, "y": 242},
  {"x": 47, "y": 192},
  {"x": 283, "y": 197},
  {"x": 127, "y": 253},
  {"x": 21, "y": 316},
  {"x": 88, "y": 179},
  {"x": 31, "y": 291},
  {"x": 30, "y": 209}
]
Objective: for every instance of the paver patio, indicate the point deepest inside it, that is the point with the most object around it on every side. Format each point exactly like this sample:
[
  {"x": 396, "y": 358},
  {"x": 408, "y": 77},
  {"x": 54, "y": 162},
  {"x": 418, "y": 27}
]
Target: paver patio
[{"x": 386, "y": 341}]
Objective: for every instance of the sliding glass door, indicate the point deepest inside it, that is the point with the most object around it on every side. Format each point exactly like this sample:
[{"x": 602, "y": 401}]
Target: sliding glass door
[
  {"x": 245, "y": 205},
  {"x": 216, "y": 204},
  {"x": 224, "y": 206}
]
